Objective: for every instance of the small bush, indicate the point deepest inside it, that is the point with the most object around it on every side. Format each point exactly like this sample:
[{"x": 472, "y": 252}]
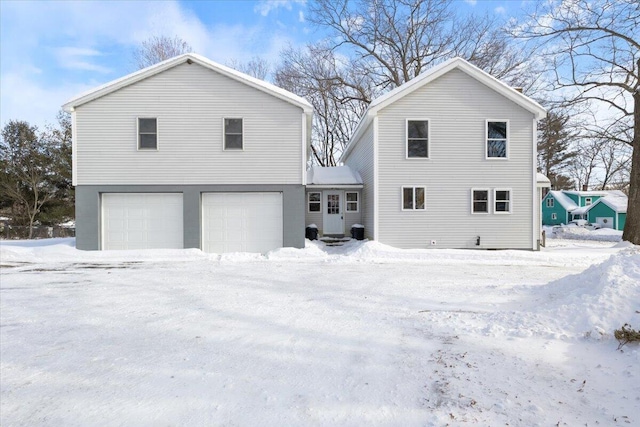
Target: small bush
[{"x": 626, "y": 334}]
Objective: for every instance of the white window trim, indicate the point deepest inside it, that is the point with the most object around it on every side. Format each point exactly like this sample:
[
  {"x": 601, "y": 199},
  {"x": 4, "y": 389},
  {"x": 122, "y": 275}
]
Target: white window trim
[
  {"x": 406, "y": 138},
  {"x": 486, "y": 139},
  {"x": 488, "y": 201},
  {"x": 346, "y": 202},
  {"x": 495, "y": 200},
  {"x": 550, "y": 205},
  {"x": 424, "y": 188},
  {"x": 554, "y": 215},
  {"x": 138, "y": 134},
  {"x": 589, "y": 200},
  {"x": 309, "y": 201},
  {"x": 224, "y": 135}
]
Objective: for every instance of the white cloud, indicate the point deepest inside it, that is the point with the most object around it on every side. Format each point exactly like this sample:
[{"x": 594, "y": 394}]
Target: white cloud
[
  {"x": 76, "y": 58},
  {"x": 471, "y": 2},
  {"x": 501, "y": 10},
  {"x": 265, "y": 7},
  {"x": 300, "y": 16}
]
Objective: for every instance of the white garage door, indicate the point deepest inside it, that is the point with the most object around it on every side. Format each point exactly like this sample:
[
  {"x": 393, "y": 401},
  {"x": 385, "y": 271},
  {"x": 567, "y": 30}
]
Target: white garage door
[
  {"x": 241, "y": 222},
  {"x": 142, "y": 221},
  {"x": 605, "y": 222}
]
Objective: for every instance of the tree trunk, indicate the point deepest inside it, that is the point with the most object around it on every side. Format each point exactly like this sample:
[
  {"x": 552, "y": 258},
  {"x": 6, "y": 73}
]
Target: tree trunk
[{"x": 632, "y": 226}]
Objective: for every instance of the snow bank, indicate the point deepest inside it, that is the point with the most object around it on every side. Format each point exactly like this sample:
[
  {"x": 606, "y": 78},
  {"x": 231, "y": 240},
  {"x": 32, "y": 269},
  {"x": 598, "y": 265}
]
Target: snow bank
[
  {"x": 601, "y": 299},
  {"x": 580, "y": 233}
]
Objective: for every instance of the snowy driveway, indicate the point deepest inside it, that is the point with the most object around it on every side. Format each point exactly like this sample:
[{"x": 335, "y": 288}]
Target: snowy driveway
[{"x": 359, "y": 335}]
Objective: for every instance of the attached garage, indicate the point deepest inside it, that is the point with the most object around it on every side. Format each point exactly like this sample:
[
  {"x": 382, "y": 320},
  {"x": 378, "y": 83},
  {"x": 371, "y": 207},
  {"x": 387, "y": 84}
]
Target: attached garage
[
  {"x": 242, "y": 222},
  {"x": 142, "y": 221}
]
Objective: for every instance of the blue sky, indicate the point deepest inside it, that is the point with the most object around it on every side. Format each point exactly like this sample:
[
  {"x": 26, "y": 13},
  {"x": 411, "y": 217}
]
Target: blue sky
[{"x": 51, "y": 51}]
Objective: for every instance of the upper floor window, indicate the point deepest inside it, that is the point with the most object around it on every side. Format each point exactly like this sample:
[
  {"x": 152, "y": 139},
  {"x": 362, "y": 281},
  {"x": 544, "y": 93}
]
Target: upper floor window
[
  {"x": 497, "y": 139},
  {"x": 233, "y": 134},
  {"x": 418, "y": 139},
  {"x": 147, "y": 133},
  {"x": 413, "y": 198},
  {"x": 352, "y": 201},
  {"x": 502, "y": 200},
  {"x": 549, "y": 202},
  {"x": 314, "y": 202},
  {"x": 479, "y": 201},
  {"x": 587, "y": 201}
]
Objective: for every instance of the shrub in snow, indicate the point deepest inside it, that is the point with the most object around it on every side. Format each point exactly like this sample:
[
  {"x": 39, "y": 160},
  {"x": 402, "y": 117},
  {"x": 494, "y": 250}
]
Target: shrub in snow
[{"x": 626, "y": 334}]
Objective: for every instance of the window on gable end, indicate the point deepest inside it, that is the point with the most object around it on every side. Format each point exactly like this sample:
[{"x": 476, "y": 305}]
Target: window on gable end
[
  {"x": 497, "y": 139},
  {"x": 233, "y": 134},
  {"x": 147, "y": 133},
  {"x": 417, "y": 139}
]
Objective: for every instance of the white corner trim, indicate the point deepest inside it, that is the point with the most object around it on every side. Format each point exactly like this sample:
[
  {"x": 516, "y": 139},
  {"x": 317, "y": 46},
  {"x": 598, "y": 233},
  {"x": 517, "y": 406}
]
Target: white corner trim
[
  {"x": 304, "y": 148},
  {"x": 74, "y": 149},
  {"x": 376, "y": 187},
  {"x": 537, "y": 204}
]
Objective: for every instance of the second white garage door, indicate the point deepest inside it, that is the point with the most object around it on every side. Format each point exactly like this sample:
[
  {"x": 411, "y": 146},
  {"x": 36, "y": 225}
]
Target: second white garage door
[{"x": 241, "y": 222}]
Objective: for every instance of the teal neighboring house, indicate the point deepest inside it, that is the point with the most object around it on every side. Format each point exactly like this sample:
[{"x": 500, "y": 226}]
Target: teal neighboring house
[
  {"x": 609, "y": 211},
  {"x": 605, "y": 208}
]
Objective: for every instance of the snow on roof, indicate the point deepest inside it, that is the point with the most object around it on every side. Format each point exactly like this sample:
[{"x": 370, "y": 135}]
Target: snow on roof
[
  {"x": 616, "y": 200},
  {"x": 129, "y": 79},
  {"x": 588, "y": 193},
  {"x": 542, "y": 180},
  {"x": 564, "y": 200},
  {"x": 337, "y": 175}
]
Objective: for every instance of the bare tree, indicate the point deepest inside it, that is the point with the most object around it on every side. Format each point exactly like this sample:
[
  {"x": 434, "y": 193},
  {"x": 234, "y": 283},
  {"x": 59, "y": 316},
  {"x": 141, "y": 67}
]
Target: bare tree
[
  {"x": 256, "y": 67},
  {"x": 159, "y": 48},
  {"x": 615, "y": 161},
  {"x": 584, "y": 164},
  {"x": 374, "y": 46},
  {"x": 593, "y": 48},
  {"x": 337, "y": 94}
]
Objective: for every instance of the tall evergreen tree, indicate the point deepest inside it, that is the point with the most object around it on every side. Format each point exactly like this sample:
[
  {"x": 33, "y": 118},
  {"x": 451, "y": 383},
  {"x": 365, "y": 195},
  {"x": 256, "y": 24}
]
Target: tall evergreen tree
[{"x": 554, "y": 149}]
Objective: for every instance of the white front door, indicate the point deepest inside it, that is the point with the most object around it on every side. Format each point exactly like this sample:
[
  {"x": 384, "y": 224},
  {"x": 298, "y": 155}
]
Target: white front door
[{"x": 332, "y": 217}]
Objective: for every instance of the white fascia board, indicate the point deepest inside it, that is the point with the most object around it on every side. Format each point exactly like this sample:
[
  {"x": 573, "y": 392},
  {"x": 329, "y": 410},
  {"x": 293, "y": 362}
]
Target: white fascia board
[
  {"x": 195, "y": 58},
  {"x": 336, "y": 186}
]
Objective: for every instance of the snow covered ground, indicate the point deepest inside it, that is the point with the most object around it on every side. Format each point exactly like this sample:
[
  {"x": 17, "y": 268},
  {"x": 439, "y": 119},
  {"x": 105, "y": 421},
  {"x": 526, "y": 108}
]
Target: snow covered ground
[{"x": 363, "y": 334}]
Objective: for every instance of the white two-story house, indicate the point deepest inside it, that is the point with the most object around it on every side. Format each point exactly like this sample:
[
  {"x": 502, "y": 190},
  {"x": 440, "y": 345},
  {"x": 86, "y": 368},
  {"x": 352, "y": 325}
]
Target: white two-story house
[
  {"x": 448, "y": 160},
  {"x": 189, "y": 154}
]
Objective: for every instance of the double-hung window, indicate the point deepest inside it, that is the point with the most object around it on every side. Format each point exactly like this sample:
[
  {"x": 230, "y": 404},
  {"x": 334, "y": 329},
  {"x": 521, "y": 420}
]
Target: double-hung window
[
  {"x": 497, "y": 139},
  {"x": 413, "y": 198},
  {"x": 314, "y": 202},
  {"x": 550, "y": 202},
  {"x": 479, "y": 201},
  {"x": 352, "y": 201},
  {"x": 147, "y": 133},
  {"x": 502, "y": 200},
  {"x": 417, "y": 139},
  {"x": 233, "y": 131},
  {"x": 588, "y": 201}
]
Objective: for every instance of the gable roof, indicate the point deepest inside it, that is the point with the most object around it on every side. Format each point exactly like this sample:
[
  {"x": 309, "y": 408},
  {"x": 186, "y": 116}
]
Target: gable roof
[
  {"x": 430, "y": 75},
  {"x": 568, "y": 204},
  {"x": 189, "y": 58},
  {"x": 616, "y": 200}
]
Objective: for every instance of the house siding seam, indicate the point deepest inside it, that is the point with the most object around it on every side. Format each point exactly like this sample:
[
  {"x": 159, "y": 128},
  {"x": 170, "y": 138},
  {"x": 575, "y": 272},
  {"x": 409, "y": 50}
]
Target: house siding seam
[
  {"x": 458, "y": 106},
  {"x": 190, "y": 102},
  {"x": 361, "y": 160}
]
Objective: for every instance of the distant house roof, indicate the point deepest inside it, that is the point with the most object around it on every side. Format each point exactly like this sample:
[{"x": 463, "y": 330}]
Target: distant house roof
[
  {"x": 181, "y": 59},
  {"x": 568, "y": 204},
  {"x": 337, "y": 175},
  {"x": 616, "y": 200},
  {"x": 542, "y": 180},
  {"x": 432, "y": 74}
]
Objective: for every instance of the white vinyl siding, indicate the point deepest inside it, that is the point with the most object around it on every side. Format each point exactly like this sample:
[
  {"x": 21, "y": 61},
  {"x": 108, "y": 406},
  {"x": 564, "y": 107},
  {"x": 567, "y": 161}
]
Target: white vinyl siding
[
  {"x": 360, "y": 159},
  {"x": 190, "y": 103},
  {"x": 458, "y": 107}
]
